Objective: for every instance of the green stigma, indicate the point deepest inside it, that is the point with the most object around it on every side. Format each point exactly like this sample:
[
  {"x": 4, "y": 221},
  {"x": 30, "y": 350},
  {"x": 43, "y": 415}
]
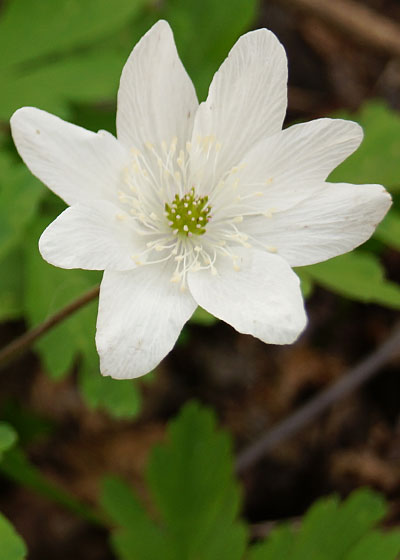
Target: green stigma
[{"x": 188, "y": 215}]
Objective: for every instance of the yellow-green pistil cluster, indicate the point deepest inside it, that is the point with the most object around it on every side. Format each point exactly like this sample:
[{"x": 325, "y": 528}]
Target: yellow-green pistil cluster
[{"x": 188, "y": 215}]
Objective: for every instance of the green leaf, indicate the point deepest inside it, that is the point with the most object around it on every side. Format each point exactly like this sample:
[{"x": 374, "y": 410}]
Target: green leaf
[
  {"x": 196, "y": 497},
  {"x": 16, "y": 466},
  {"x": 89, "y": 77},
  {"x": 356, "y": 275},
  {"x": 377, "y": 159},
  {"x": 278, "y": 546},
  {"x": 20, "y": 194},
  {"x": 29, "y": 30},
  {"x": 332, "y": 531},
  {"x": 376, "y": 546},
  {"x": 120, "y": 398},
  {"x": 11, "y": 286},
  {"x": 12, "y": 545},
  {"x": 144, "y": 540},
  {"x": 8, "y": 437},
  {"x": 388, "y": 230}
]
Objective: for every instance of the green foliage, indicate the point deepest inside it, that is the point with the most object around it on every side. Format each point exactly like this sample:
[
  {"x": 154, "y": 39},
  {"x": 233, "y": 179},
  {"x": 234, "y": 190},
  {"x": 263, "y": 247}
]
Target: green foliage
[
  {"x": 334, "y": 531},
  {"x": 377, "y": 159},
  {"x": 8, "y": 437},
  {"x": 16, "y": 466},
  {"x": 12, "y": 545},
  {"x": 194, "y": 492},
  {"x": 41, "y": 56},
  {"x": 357, "y": 275}
]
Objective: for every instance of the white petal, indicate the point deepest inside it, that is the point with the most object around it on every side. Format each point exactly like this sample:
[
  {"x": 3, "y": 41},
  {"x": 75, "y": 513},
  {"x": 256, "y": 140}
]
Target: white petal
[
  {"x": 333, "y": 221},
  {"x": 247, "y": 98},
  {"x": 288, "y": 167},
  {"x": 156, "y": 98},
  {"x": 263, "y": 298},
  {"x": 141, "y": 314},
  {"x": 95, "y": 237},
  {"x": 78, "y": 165}
]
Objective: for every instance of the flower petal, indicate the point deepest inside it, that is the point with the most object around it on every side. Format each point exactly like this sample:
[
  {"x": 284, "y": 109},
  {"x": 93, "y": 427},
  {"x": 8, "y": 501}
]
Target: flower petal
[
  {"x": 282, "y": 170},
  {"x": 78, "y": 165},
  {"x": 95, "y": 237},
  {"x": 333, "y": 221},
  {"x": 141, "y": 314},
  {"x": 156, "y": 99},
  {"x": 246, "y": 101},
  {"x": 263, "y": 298}
]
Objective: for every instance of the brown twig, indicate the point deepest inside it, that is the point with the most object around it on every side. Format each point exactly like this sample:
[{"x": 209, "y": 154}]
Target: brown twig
[
  {"x": 358, "y": 375},
  {"x": 361, "y": 23},
  {"x": 21, "y": 344}
]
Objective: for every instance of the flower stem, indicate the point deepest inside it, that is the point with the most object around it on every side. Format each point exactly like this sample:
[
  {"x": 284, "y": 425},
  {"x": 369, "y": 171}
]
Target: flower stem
[{"x": 22, "y": 343}]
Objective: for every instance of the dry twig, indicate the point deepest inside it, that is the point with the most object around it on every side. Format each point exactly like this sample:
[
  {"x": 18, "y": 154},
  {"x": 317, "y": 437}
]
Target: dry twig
[
  {"x": 356, "y": 377},
  {"x": 21, "y": 344}
]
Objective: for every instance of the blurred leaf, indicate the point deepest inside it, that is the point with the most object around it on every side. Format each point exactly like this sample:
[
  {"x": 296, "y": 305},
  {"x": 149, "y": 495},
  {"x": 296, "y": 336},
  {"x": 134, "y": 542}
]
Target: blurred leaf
[
  {"x": 12, "y": 545},
  {"x": 377, "y": 159},
  {"x": 11, "y": 286},
  {"x": 20, "y": 194},
  {"x": 48, "y": 289},
  {"x": 89, "y": 77},
  {"x": 278, "y": 546},
  {"x": 376, "y": 545},
  {"x": 120, "y": 398},
  {"x": 141, "y": 539},
  {"x": 388, "y": 230},
  {"x": 202, "y": 317},
  {"x": 197, "y": 498},
  {"x": 356, "y": 275},
  {"x": 28, "y": 424},
  {"x": 8, "y": 437},
  {"x": 16, "y": 466},
  {"x": 205, "y": 32},
  {"x": 35, "y": 29},
  {"x": 333, "y": 531}
]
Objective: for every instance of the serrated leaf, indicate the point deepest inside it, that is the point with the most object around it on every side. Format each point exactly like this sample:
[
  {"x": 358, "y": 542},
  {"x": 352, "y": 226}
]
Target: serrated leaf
[
  {"x": 356, "y": 275},
  {"x": 278, "y": 545},
  {"x": 376, "y": 546},
  {"x": 377, "y": 159},
  {"x": 30, "y": 30},
  {"x": 144, "y": 540},
  {"x": 194, "y": 491},
  {"x": 12, "y": 545},
  {"x": 329, "y": 530},
  {"x": 192, "y": 483},
  {"x": 8, "y": 437}
]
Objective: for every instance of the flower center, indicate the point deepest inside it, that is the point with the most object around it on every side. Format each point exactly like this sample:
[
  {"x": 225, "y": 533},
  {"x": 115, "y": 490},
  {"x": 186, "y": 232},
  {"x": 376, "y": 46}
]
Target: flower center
[{"x": 188, "y": 215}]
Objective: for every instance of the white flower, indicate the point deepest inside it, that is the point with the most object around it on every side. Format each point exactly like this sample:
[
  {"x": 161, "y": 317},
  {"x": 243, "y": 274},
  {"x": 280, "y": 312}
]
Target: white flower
[{"x": 208, "y": 204}]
